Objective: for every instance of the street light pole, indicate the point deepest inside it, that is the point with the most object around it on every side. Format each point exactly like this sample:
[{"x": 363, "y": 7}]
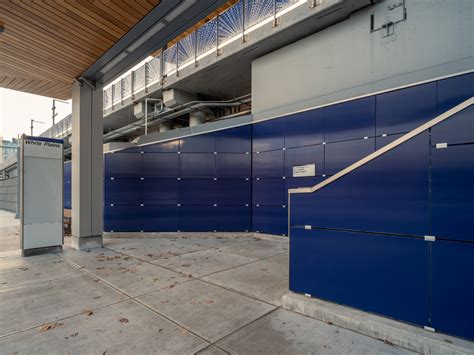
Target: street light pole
[
  {"x": 54, "y": 108},
  {"x": 31, "y": 127}
]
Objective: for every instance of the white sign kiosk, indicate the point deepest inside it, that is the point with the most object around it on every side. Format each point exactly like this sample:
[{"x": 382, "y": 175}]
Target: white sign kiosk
[{"x": 41, "y": 195}]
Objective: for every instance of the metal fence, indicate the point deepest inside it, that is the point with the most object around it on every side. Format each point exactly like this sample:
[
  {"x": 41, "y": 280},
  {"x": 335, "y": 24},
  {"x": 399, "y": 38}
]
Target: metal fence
[
  {"x": 61, "y": 129},
  {"x": 234, "y": 23}
]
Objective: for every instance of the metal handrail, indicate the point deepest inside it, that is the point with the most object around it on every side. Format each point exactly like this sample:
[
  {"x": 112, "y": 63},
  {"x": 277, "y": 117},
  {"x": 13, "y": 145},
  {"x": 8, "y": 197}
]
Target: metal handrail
[
  {"x": 247, "y": 15},
  {"x": 438, "y": 119}
]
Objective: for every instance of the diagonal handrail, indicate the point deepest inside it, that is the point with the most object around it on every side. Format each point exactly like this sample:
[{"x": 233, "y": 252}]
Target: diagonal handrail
[{"x": 438, "y": 119}]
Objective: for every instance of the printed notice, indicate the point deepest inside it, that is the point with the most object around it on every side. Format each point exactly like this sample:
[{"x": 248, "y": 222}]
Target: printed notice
[{"x": 304, "y": 170}]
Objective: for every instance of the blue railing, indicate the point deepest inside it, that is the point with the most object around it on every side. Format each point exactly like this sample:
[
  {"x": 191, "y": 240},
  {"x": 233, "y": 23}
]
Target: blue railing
[{"x": 234, "y": 23}]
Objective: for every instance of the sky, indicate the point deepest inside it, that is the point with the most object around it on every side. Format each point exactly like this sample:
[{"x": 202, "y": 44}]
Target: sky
[{"x": 18, "y": 108}]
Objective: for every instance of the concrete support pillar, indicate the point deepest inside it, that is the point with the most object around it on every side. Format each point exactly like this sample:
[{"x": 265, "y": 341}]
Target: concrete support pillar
[
  {"x": 166, "y": 126},
  {"x": 87, "y": 167},
  {"x": 196, "y": 118}
]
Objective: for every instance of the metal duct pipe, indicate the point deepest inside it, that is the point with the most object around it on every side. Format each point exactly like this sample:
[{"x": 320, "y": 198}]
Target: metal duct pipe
[{"x": 175, "y": 112}]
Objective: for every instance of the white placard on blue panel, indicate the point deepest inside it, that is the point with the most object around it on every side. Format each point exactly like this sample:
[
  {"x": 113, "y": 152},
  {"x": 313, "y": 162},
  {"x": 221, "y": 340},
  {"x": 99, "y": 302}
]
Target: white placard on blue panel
[
  {"x": 41, "y": 193},
  {"x": 304, "y": 170}
]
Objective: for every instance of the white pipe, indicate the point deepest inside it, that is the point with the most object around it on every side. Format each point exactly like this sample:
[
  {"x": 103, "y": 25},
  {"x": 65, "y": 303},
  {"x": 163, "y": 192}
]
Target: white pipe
[{"x": 146, "y": 110}]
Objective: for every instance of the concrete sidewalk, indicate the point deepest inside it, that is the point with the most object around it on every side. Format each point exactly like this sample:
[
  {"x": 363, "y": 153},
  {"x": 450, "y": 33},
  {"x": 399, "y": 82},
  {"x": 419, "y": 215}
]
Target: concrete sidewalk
[
  {"x": 183, "y": 294},
  {"x": 9, "y": 232}
]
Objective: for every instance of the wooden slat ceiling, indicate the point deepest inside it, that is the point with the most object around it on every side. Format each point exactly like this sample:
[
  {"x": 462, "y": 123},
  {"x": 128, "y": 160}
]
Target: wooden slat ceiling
[{"x": 47, "y": 43}]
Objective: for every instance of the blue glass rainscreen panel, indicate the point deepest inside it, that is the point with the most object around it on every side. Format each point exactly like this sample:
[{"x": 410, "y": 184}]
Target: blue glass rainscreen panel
[
  {"x": 123, "y": 191},
  {"x": 270, "y": 219},
  {"x": 381, "y": 141},
  {"x": 313, "y": 154},
  {"x": 350, "y": 120},
  {"x": 269, "y": 135},
  {"x": 160, "y": 192},
  {"x": 386, "y": 195},
  {"x": 198, "y": 218},
  {"x": 452, "y": 192},
  {"x": 197, "y": 165},
  {"x": 197, "y": 191},
  {"x": 160, "y": 218},
  {"x": 122, "y": 218},
  {"x": 232, "y": 165},
  {"x": 403, "y": 110},
  {"x": 453, "y": 91},
  {"x": 340, "y": 155},
  {"x": 452, "y": 288},
  {"x": 203, "y": 143},
  {"x": 160, "y": 165},
  {"x": 233, "y": 192},
  {"x": 232, "y": 218},
  {"x": 459, "y": 128},
  {"x": 269, "y": 164},
  {"x": 167, "y": 147},
  {"x": 269, "y": 192},
  {"x": 305, "y": 128},
  {"x": 234, "y": 140},
  {"x": 123, "y": 165},
  {"x": 363, "y": 271}
]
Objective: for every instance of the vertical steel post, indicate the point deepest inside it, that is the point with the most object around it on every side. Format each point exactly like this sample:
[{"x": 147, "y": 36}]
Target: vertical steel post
[
  {"x": 132, "y": 84},
  {"x": 217, "y": 34},
  {"x": 177, "y": 57},
  {"x": 122, "y": 90},
  {"x": 275, "y": 20},
  {"x": 113, "y": 95},
  {"x": 244, "y": 4},
  {"x": 195, "y": 40},
  {"x": 147, "y": 69}
]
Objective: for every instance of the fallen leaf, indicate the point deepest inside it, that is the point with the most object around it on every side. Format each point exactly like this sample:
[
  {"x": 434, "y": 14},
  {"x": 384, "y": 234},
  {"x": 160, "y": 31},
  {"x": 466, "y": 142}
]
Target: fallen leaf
[
  {"x": 74, "y": 335},
  {"x": 49, "y": 326},
  {"x": 171, "y": 286},
  {"x": 208, "y": 301},
  {"x": 263, "y": 269},
  {"x": 88, "y": 312},
  {"x": 186, "y": 265},
  {"x": 123, "y": 320}
]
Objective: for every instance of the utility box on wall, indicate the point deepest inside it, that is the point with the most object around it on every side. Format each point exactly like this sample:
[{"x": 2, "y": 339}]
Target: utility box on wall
[{"x": 41, "y": 194}]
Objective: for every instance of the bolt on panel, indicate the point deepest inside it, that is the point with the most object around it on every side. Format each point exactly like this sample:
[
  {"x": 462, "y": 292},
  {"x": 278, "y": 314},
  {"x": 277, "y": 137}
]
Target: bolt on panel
[
  {"x": 377, "y": 273},
  {"x": 350, "y": 120},
  {"x": 197, "y": 165},
  {"x": 123, "y": 165},
  {"x": 160, "y": 165},
  {"x": 402, "y": 110},
  {"x": 122, "y": 218},
  {"x": 269, "y": 164},
  {"x": 270, "y": 219},
  {"x": 269, "y": 191},
  {"x": 123, "y": 192},
  {"x": 160, "y": 192},
  {"x": 304, "y": 128},
  {"x": 233, "y": 165},
  {"x": 269, "y": 135},
  {"x": 452, "y": 192},
  {"x": 313, "y": 154},
  {"x": 234, "y": 140},
  {"x": 160, "y": 218}
]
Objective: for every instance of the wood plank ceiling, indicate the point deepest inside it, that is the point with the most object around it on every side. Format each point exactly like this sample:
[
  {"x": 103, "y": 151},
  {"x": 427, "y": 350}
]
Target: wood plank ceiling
[{"x": 47, "y": 43}]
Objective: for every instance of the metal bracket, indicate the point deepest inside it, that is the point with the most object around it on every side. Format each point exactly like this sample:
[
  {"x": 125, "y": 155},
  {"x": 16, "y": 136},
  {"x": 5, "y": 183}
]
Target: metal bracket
[
  {"x": 81, "y": 80},
  {"x": 441, "y": 145},
  {"x": 314, "y": 3},
  {"x": 430, "y": 238},
  {"x": 430, "y": 329}
]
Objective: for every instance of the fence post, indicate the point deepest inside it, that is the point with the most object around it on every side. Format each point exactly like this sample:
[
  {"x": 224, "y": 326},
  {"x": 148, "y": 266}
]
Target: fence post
[
  {"x": 244, "y": 5},
  {"x": 275, "y": 20},
  {"x": 147, "y": 69},
  {"x": 122, "y": 90},
  {"x": 132, "y": 84}
]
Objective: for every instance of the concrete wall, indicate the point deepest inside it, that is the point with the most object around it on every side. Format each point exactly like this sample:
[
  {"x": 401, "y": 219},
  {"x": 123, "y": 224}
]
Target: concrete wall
[
  {"x": 349, "y": 60},
  {"x": 8, "y": 192}
]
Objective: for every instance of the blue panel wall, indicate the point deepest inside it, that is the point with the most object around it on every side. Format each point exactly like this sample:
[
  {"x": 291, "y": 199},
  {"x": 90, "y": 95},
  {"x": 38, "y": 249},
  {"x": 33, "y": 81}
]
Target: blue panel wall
[
  {"x": 367, "y": 229},
  {"x": 378, "y": 273}
]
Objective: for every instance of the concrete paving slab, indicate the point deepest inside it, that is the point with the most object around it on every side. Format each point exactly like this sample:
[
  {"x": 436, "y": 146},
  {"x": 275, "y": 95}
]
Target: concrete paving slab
[
  {"x": 266, "y": 279},
  {"x": 34, "y": 271},
  {"x": 207, "y": 310},
  {"x": 150, "y": 249},
  {"x": 9, "y": 232},
  {"x": 203, "y": 262},
  {"x": 258, "y": 248},
  {"x": 14, "y": 260},
  {"x": 284, "y": 332},
  {"x": 122, "y": 328},
  {"x": 383, "y": 328},
  {"x": 129, "y": 275},
  {"x": 27, "y": 307},
  {"x": 212, "y": 350}
]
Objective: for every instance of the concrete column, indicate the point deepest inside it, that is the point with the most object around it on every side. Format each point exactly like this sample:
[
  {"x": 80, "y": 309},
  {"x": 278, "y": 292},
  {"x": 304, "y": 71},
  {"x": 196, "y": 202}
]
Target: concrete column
[
  {"x": 166, "y": 126},
  {"x": 197, "y": 118},
  {"x": 87, "y": 167}
]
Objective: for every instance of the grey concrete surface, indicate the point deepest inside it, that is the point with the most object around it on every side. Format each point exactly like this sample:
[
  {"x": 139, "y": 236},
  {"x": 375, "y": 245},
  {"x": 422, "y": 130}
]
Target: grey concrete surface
[
  {"x": 120, "y": 299},
  {"x": 391, "y": 331},
  {"x": 9, "y": 232},
  {"x": 284, "y": 332},
  {"x": 266, "y": 280}
]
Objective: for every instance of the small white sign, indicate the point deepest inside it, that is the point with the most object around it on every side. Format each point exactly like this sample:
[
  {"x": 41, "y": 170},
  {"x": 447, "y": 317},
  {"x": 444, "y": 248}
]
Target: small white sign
[{"x": 304, "y": 170}]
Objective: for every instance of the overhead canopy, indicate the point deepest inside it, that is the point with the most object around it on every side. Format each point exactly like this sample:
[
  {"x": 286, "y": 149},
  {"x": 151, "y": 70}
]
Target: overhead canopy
[{"x": 46, "y": 44}]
